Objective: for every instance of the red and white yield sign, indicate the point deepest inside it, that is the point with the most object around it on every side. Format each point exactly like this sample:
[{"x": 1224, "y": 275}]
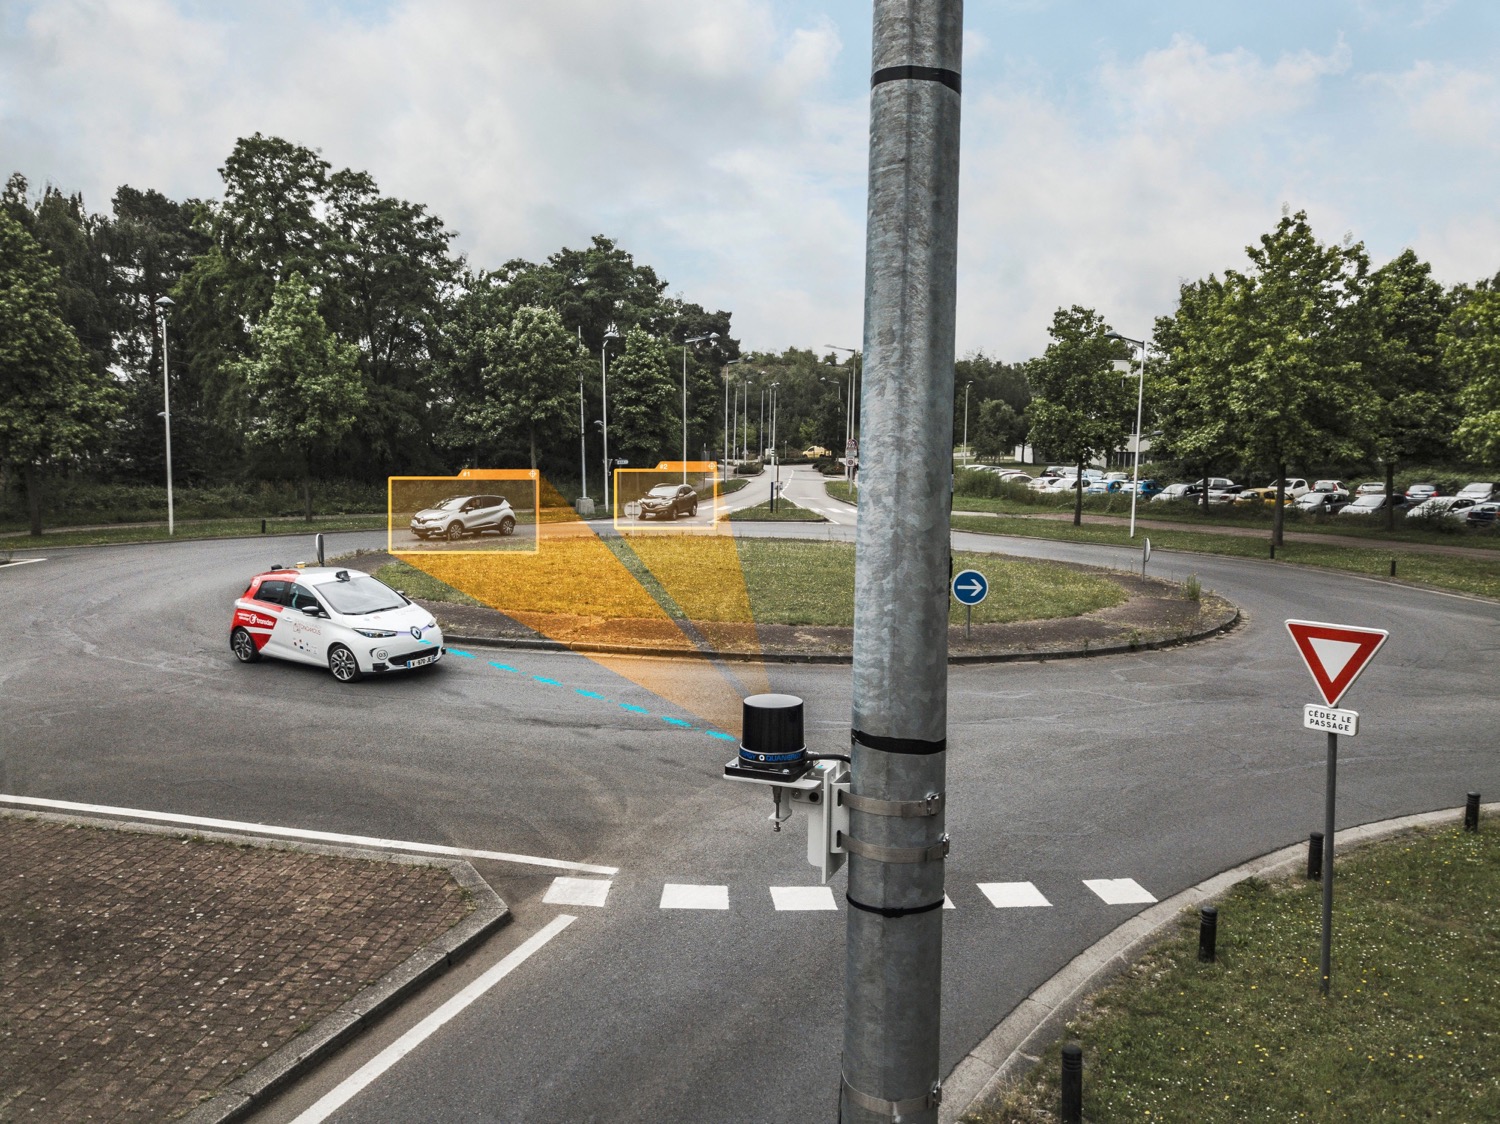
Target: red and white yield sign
[{"x": 1335, "y": 653}]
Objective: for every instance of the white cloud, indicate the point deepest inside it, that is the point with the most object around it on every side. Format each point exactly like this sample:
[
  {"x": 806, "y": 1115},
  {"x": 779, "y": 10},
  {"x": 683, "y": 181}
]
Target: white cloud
[
  {"x": 1449, "y": 103},
  {"x": 699, "y": 135}
]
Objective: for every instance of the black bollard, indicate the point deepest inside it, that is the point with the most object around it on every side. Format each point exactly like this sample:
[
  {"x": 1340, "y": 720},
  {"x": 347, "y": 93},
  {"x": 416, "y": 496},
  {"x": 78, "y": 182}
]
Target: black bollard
[
  {"x": 1273, "y": 550},
  {"x": 1393, "y": 567},
  {"x": 262, "y": 526},
  {"x": 1208, "y": 933},
  {"x": 1072, "y": 1083},
  {"x": 1315, "y": 856},
  {"x": 1471, "y": 812}
]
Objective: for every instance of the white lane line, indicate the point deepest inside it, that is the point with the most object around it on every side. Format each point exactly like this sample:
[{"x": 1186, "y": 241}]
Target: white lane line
[
  {"x": 317, "y": 836},
  {"x": 1013, "y": 895},
  {"x": 352, "y": 1085},
  {"x": 1119, "y": 891},
  {"x": 675, "y": 895},
  {"x": 803, "y": 897},
  {"x": 577, "y": 891},
  {"x": 20, "y": 562}
]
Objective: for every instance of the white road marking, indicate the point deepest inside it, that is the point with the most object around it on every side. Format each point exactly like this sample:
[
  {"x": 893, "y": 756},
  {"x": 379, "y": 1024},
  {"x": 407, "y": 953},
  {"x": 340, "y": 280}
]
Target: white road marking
[
  {"x": 1013, "y": 895},
  {"x": 948, "y": 902},
  {"x": 803, "y": 897},
  {"x": 356, "y": 1082},
  {"x": 20, "y": 562},
  {"x": 577, "y": 891},
  {"x": 1119, "y": 891},
  {"x": 675, "y": 895},
  {"x": 316, "y": 836}
]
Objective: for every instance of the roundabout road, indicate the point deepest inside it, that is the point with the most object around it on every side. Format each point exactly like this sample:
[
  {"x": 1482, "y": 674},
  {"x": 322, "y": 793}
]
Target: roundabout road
[{"x": 1163, "y": 767}]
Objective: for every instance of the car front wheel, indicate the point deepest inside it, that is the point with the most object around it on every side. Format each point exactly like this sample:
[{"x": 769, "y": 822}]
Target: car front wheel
[
  {"x": 242, "y": 644},
  {"x": 344, "y": 666},
  {"x": 455, "y": 531}
]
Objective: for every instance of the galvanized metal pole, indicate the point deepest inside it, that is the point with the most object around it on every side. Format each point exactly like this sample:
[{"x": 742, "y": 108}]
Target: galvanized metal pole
[
  {"x": 893, "y": 967},
  {"x": 1326, "y": 959}
]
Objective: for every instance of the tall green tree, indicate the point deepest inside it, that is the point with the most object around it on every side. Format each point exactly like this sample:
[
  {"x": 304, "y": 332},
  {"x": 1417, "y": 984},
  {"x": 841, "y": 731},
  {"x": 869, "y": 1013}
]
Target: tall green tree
[
  {"x": 1415, "y": 402},
  {"x": 1471, "y": 352},
  {"x": 530, "y": 378},
  {"x": 302, "y": 385},
  {"x": 53, "y": 406},
  {"x": 1079, "y": 410},
  {"x": 1298, "y": 390},
  {"x": 997, "y": 429},
  {"x": 642, "y": 420}
]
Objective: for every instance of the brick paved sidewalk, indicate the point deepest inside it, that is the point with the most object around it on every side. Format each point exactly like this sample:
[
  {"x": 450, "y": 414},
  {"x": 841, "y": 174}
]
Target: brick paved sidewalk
[{"x": 142, "y": 972}]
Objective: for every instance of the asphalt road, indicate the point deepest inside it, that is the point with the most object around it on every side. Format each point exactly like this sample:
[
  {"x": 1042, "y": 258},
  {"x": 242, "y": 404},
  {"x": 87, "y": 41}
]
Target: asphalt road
[{"x": 118, "y": 688}]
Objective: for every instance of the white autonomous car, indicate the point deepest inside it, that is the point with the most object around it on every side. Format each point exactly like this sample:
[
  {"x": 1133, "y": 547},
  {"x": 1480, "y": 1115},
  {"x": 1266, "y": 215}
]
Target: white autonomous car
[{"x": 343, "y": 620}]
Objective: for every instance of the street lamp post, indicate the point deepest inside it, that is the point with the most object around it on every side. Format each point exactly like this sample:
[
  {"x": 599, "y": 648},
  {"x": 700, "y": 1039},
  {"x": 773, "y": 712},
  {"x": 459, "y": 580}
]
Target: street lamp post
[
  {"x": 1140, "y": 399},
  {"x": 162, "y": 304},
  {"x": 583, "y": 448},
  {"x": 849, "y": 418},
  {"x": 966, "y": 421},
  {"x": 775, "y": 455},
  {"x": 725, "y": 374},
  {"x": 610, "y": 333},
  {"x": 695, "y": 339}
]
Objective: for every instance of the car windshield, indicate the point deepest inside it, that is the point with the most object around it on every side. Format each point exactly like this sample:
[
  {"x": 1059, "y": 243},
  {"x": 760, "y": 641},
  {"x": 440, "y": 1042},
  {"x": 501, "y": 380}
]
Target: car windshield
[
  {"x": 450, "y": 503},
  {"x": 1368, "y": 501},
  {"x": 360, "y": 595},
  {"x": 666, "y": 491}
]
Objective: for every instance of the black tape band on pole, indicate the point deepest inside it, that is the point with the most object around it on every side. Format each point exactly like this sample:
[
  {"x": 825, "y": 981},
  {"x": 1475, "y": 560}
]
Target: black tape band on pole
[
  {"x": 895, "y": 911},
  {"x": 949, "y": 78},
  {"x": 899, "y": 745}
]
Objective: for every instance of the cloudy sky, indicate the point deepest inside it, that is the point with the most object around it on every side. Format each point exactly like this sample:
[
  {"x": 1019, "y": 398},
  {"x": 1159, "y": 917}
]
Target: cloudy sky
[{"x": 1111, "y": 150}]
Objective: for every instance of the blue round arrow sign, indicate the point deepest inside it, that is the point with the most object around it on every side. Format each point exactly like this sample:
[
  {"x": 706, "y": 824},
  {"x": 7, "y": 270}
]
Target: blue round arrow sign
[{"x": 970, "y": 587}]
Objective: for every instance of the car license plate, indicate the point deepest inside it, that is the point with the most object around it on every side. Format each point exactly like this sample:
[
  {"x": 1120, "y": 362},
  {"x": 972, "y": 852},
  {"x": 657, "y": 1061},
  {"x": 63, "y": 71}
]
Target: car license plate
[{"x": 421, "y": 660}]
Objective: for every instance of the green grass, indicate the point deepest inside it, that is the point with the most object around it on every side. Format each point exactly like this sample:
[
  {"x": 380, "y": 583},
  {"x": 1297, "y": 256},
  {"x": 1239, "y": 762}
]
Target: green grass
[
  {"x": 786, "y": 512},
  {"x": 1463, "y": 575},
  {"x": 843, "y": 490},
  {"x": 1411, "y": 1030},
  {"x": 23, "y": 543},
  {"x": 811, "y": 583},
  {"x": 805, "y": 583},
  {"x": 418, "y": 583},
  {"x": 730, "y": 487}
]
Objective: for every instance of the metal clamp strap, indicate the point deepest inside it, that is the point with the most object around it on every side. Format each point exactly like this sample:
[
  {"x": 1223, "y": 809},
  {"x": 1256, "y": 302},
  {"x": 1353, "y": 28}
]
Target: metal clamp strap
[
  {"x": 893, "y": 1109},
  {"x": 929, "y": 805},
  {"x": 883, "y": 854}
]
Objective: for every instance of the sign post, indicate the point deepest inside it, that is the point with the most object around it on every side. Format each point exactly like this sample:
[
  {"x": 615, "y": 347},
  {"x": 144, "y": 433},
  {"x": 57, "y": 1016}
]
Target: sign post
[
  {"x": 970, "y": 588},
  {"x": 1335, "y": 654}
]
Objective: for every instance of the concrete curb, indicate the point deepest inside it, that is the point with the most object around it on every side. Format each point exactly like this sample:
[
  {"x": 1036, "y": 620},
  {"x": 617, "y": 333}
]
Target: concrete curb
[
  {"x": 1013, "y": 1046},
  {"x": 248, "y": 1091},
  {"x": 1222, "y": 624}
]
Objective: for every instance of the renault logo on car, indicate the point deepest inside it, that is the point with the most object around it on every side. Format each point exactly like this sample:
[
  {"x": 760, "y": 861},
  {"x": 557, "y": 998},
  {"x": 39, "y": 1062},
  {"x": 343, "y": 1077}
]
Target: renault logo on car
[{"x": 416, "y": 632}]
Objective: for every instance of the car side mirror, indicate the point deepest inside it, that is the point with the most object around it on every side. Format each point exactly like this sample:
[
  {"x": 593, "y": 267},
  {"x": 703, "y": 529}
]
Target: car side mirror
[{"x": 313, "y": 610}]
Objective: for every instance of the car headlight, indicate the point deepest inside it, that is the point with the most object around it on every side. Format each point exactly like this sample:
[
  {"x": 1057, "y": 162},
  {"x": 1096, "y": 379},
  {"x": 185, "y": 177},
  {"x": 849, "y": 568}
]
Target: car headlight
[{"x": 374, "y": 633}]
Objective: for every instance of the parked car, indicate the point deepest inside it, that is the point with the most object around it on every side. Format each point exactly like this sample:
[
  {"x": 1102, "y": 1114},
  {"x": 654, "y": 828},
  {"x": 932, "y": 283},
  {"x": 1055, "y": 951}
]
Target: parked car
[
  {"x": 1177, "y": 492},
  {"x": 668, "y": 501},
  {"x": 1225, "y": 495},
  {"x": 1260, "y": 495},
  {"x": 1321, "y": 503},
  {"x": 1419, "y": 492},
  {"x": 1369, "y": 505},
  {"x": 1331, "y": 486},
  {"x": 1483, "y": 515},
  {"x": 1371, "y": 488},
  {"x": 1013, "y": 477},
  {"x": 1479, "y": 493},
  {"x": 457, "y": 516},
  {"x": 1148, "y": 488},
  {"x": 1437, "y": 506}
]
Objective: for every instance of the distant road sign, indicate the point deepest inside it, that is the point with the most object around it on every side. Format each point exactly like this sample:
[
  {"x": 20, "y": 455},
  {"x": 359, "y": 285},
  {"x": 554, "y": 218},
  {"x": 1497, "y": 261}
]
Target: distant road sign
[
  {"x": 970, "y": 587},
  {"x": 1335, "y": 654}
]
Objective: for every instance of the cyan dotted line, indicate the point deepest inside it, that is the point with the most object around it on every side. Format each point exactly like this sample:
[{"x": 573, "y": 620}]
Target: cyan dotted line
[{"x": 680, "y": 723}]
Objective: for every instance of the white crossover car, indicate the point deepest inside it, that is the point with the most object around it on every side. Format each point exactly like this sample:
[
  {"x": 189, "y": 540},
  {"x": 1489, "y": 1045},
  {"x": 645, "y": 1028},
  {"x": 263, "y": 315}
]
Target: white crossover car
[
  {"x": 457, "y": 516},
  {"x": 343, "y": 620}
]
